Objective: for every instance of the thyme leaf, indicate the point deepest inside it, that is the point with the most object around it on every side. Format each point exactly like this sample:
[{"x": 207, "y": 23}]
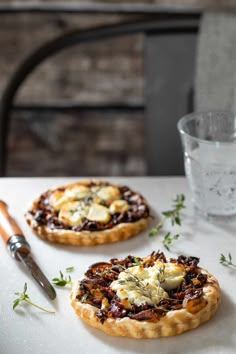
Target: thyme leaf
[
  {"x": 168, "y": 239},
  {"x": 137, "y": 261},
  {"x": 155, "y": 230},
  {"x": 63, "y": 280},
  {"x": 174, "y": 214},
  {"x": 227, "y": 262},
  {"x": 84, "y": 298},
  {"x": 24, "y": 297},
  {"x": 161, "y": 274},
  {"x": 70, "y": 269},
  {"x": 137, "y": 283}
]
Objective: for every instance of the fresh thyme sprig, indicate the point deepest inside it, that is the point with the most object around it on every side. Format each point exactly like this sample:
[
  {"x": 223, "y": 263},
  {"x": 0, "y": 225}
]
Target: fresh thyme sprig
[
  {"x": 133, "y": 279},
  {"x": 227, "y": 262},
  {"x": 70, "y": 269},
  {"x": 143, "y": 287},
  {"x": 168, "y": 239},
  {"x": 137, "y": 284},
  {"x": 155, "y": 230},
  {"x": 161, "y": 274},
  {"x": 174, "y": 216},
  {"x": 23, "y": 296},
  {"x": 136, "y": 280},
  {"x": 63, "y": 280}
]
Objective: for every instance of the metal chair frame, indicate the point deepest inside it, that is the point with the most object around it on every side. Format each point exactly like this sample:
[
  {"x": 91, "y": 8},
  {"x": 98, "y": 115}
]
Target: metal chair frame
[
  {"x": 73, "y": 7},
  {"x": 161, "y": 24}
]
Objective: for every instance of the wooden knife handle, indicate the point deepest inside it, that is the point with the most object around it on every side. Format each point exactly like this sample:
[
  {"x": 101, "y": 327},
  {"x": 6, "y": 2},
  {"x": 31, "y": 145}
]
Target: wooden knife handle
[{"x": 8, "y": 225}]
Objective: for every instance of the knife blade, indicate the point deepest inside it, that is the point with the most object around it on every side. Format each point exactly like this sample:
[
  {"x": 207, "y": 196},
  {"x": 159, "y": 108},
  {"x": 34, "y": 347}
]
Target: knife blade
[{"x": 20, "y": 249}]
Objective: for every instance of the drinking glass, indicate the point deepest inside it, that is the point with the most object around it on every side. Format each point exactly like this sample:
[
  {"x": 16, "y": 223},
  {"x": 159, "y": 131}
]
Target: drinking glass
[{"x": 209, "y": 145}]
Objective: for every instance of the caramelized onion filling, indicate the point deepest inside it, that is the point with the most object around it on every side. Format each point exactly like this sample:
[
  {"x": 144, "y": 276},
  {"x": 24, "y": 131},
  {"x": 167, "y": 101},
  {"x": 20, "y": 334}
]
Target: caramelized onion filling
[{"x": 95, "y": 289}]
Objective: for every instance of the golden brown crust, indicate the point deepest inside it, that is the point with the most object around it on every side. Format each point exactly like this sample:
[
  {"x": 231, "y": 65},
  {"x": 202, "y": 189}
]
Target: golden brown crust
[
  {"x": 89, "y": 238},
  {"x": 117, "y": 233},
  {"x": 173, "y": 323}
]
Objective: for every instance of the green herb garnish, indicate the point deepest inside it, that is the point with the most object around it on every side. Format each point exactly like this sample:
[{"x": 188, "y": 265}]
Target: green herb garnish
[
  {"x": 227, "y": 262},
  {"x": 161, "y": 274},
  {"x": 174, "y": 216},
  {"x": 70, "y": 269},
  {"x": 84, "y": 298},
  {"x": 63, "y": 280},
  {"x": 155, "y": 230},
  {"x": 137, "y": 283},
  {"x": 137, "y": 261},
  {"x": 168, "y": 239},
  {"x": 23, "y": 296}
]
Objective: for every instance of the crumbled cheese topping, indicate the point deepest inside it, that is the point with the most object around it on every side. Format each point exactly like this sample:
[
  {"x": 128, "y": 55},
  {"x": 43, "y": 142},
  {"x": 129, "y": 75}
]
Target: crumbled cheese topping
[{"x": 139, "y": 285}]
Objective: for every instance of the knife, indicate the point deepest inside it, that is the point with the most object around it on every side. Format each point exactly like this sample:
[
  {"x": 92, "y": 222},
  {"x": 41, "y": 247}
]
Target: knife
[{"x": 20, "y": 249}]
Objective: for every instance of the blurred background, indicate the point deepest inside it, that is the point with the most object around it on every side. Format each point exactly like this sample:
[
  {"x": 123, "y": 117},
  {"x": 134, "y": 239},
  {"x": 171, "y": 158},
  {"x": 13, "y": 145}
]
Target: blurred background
[
  {"x": 89, "y": 143},
  {"x": 130, "y": 71}
]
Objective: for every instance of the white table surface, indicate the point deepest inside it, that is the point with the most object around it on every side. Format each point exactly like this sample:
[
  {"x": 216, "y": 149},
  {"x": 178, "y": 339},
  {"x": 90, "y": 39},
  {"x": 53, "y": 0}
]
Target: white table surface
[{"x": 28, "y": 330}]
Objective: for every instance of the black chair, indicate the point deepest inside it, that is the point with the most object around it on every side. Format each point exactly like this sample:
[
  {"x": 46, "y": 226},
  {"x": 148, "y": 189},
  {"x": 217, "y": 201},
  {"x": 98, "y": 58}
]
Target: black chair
[{"x": 163, "y": 150}]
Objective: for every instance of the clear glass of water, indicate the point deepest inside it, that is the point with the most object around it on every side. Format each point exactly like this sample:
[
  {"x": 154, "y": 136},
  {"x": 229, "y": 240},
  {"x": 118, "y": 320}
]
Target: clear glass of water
[{"x": 209, "y": 145}]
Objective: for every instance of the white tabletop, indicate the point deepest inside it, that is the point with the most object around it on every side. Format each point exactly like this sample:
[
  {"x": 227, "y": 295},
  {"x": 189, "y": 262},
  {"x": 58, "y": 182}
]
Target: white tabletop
[{"x": 28, "y": 330}]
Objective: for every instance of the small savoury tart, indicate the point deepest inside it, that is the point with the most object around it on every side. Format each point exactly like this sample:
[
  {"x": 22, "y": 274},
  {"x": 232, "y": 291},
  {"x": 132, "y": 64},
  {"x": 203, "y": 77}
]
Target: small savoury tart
[
  {"x": 146, "y": 297},
  {"x": 87, "y": 213}
]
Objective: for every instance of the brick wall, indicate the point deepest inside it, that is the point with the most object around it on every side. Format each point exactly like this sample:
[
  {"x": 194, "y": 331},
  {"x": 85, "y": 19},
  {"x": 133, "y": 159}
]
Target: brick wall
[{"x": 79, "y": 144}]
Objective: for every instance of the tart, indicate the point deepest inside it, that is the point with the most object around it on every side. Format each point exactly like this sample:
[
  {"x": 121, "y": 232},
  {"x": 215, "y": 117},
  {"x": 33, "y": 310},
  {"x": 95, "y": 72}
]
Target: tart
[
  {"x": 146, "y": 297},
  {"x": 87, "y": 213}
]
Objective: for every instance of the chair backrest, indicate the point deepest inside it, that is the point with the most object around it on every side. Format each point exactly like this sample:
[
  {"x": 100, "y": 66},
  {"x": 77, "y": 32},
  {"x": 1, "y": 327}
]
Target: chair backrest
[{"x": 159, "y": 27}]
